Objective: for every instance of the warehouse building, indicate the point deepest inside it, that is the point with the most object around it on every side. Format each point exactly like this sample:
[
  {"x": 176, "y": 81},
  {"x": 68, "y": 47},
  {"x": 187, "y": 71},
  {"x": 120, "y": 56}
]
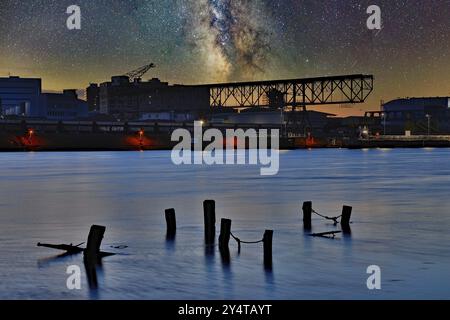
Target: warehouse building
[
  {"x": 23, "y": 97},
  {"x": 415, "y": 115},
  {"x": 63, "y": 106},
  {"x": 131, "y": 100},
  {"x": 20, "y": 96}
]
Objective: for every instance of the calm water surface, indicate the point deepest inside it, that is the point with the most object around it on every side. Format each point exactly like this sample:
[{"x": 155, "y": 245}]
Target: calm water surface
[{"x": 401, "y": 222}]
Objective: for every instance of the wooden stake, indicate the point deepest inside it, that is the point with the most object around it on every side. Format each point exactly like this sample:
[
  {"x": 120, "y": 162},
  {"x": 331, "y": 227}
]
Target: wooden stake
[
  {"x": 225, "y": 234},
  {"x": 267, "y": 240},
  {"x": 94, "y": 240},
  {"x": 209, "y": 210},
  {"x": 346, "y": 215},
  {"x": 307, "y": 212},
  {"x": 171, "y": 222}
]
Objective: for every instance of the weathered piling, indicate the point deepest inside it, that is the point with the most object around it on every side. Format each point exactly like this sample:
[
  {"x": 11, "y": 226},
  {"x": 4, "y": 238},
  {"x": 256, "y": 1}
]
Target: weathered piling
[
  {"x": 209, "y": 210},
  {"x": 267, "y": 241},
  {"x": 94, "y": 241},
  {"x": 345, "y": 219},
  {"x": 224, "y": 240},
  {"x": 92, "y": 254},
  {"x": 307, "y": 212},
  {"x": 225, "y": 234},
  {"x": 171, "y": 222},
  {"x": 346, "y": 215}
]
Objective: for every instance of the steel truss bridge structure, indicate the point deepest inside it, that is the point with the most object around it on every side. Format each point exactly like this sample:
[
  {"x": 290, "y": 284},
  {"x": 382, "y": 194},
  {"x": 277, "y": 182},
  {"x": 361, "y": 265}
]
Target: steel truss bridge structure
[{"x": 294, "y": 93}]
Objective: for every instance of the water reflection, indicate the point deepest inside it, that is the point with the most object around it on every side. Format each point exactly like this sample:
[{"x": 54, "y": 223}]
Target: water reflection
[
  {"x": 347, "y": 231},
  {"x": 46, "y": 262},
  {"x": 225, "y": 255},
  {"x": 383, "y": 191},
  {"x": 170, "y": 242},
  {"x": 91, "y": 264},
  {"x": 269, "y": 279}
]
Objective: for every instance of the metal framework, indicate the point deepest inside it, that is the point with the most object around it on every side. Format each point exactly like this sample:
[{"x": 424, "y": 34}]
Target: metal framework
[
  {"x": 295, "y": 92},
  {"x": 139, "y": 72}
]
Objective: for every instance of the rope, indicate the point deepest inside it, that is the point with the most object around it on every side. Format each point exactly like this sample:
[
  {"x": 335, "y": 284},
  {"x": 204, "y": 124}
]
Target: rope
[
  {"x": 335, "y": 219},
  {"x": 246, "y": 242}
]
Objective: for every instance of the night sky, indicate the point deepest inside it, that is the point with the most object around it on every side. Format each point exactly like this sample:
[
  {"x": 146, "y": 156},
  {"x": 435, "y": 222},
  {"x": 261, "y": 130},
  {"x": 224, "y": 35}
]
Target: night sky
[{"x": 204, "y": 41}]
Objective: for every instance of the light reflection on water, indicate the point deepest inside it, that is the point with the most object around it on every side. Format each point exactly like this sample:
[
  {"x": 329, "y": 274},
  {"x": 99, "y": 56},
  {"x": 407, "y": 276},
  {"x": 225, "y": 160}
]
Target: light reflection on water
[{"x": 400, "y": 219}]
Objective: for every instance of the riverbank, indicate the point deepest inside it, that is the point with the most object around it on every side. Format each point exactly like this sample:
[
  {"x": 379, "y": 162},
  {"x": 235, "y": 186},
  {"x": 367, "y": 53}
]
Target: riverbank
[
  {"x": 391, "y": 141},
  {"x": 117, "y": 136}
]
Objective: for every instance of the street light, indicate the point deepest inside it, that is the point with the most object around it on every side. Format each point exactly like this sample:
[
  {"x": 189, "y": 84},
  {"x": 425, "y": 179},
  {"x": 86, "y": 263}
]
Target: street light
[
  {"x": 429, "y": 122},
  {"x": 383, "y": 115},
  {"x": 30, "y": 135}
]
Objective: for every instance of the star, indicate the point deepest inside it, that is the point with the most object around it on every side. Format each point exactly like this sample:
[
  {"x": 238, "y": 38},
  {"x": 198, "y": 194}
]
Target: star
[{"x": 203, "y": 41}]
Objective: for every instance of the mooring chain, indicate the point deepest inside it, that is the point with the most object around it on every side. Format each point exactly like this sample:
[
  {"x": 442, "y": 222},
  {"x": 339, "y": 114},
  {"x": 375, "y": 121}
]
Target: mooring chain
[
  {"x": 246, "y": 242},
  {"x": 335, "y": 219},
  {"x": 239, "y": 241}
]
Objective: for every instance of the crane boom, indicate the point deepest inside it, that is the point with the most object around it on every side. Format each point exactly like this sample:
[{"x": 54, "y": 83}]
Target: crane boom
[{"x": 139, "y": 72}]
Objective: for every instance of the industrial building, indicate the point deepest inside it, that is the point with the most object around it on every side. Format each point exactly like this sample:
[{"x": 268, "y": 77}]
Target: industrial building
[
  {"x": 426, "y": 115},
  {"x": 164, "y": 115},
  {"x": 63, "y": 106},
  {"x": 131, "y": 100},
  {"x": 93, "y": 97},
  {"x": 23, "y": 97},
  {"x": 20, "y": 96},
  {"x": 297, "y": 121}
]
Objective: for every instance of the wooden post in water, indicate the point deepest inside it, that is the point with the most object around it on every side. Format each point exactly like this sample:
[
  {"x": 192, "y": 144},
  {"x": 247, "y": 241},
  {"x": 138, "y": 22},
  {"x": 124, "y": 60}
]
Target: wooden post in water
[
  {"x": 94, "y": 241},
  {"x": 209, "y": 210},
  {"x": 307, "y": 212},
  {"x": 345, "y": 219},
  {"x": 267, "y": 240},
  {"x": 225, "y": 234},
  {"x": 92, "y": 254},
  {"x": 171, "y": 222}
]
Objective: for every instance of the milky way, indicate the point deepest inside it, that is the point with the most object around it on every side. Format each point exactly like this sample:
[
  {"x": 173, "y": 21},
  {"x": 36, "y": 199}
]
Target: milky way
[{"x": 230, "y": 36}]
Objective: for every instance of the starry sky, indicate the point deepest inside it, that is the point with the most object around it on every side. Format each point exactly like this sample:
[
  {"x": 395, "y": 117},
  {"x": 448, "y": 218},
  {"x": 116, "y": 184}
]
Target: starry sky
[{"x": 208, "y": 41}]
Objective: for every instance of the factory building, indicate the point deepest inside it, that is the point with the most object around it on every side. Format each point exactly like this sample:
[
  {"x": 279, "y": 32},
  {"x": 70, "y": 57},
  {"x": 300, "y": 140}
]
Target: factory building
[
  {"x": 93, "y": 97},
  {"x": 20, "y": 96},
  {"x": 23, "y": 97},
  {"x": 63, "y": 106},
  {"x": 297, "y": 121},
  {"x": 170, "y": 116},
  {"x": 416, "y": 115},
  {"x": 130, "y": 100}
]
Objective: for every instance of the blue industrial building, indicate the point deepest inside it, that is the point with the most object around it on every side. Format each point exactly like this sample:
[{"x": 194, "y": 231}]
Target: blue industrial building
[
  {"x": 19, "y": 96},
  {"x": 23, "y": 97},
  {"x": 416, "y": 115}
]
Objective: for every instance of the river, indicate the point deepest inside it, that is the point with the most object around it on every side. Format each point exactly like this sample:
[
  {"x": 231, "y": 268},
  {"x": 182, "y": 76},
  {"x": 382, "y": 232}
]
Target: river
[{"x": 400, "y": 222}]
